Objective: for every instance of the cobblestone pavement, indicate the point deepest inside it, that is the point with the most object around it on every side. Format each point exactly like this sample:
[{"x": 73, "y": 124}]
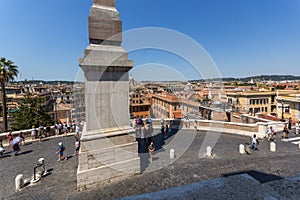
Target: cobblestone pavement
[
  {"x": 62, "y": 174},
  {"x": 263, "y": 165}
]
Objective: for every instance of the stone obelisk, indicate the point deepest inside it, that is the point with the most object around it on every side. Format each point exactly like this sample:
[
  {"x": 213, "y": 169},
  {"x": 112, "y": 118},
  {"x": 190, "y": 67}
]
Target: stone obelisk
[{"x": 108, "y": 147}]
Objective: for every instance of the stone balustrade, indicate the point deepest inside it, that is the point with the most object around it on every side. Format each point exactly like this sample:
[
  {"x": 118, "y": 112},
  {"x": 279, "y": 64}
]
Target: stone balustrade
[
  {"x": 259, "y": 128},
  {"x": 26, "y": 134}
]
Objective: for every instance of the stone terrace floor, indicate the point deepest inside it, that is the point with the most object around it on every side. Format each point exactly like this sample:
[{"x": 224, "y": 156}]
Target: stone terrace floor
[{"x": 189, "y": 168}]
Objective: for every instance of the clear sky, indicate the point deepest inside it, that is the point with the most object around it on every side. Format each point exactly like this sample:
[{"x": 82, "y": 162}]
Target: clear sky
[{"x": 243, "y": 37}]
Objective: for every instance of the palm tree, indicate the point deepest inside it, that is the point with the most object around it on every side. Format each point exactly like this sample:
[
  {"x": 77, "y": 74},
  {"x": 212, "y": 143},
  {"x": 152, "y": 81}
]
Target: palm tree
[{"x": 8, "y": 72}]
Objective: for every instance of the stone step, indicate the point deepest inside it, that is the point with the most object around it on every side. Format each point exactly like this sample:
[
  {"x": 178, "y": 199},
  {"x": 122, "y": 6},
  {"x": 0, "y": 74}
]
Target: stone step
[
  {"x": 291, "y": 139},
  {"x": 241, "y": 186}
]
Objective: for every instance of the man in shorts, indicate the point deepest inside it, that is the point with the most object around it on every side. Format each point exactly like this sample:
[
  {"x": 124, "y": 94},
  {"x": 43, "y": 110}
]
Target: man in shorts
[{"x": 60, "y": 152}]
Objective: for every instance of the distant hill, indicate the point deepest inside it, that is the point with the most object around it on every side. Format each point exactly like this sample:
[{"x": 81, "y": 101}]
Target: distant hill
[
  {"x": 46, "y": 82},
  {"x": 258, "y": 78}
]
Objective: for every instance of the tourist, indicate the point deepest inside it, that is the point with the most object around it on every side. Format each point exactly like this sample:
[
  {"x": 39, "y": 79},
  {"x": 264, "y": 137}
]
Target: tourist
[
  {"x": 23, "y": 138},
  {"x": 15, "y": 145},
  {"x": 65, "y": 127},
  {"x": 77, "y": 129},
  {"x": 254, "y": 142},
  {"x": 60, "y": 152},
  {"x": 271, "y": 134},
  {"x": 9, "y": 137},
  {"x": 162, "y": 130},
  {"x": 150, "y": 120},
  {"x": 147, "y": 134},
  {"x": 285, "y": 132},
  {"x": 162, "y": 121},
  {"x": 147, "y": 119},
  {"x": 60, "y": 127},
  {"x": 41, "y": 132},
  {"x": 48, "y": 130},
  {"x": 151, "y": 149},
  {"x": 290, "y": 124},
  {"x": 138, "y": 136},
  {"x": 69, "y": 127},
  {"x": 77, "y": 146},
  {"x": 297, "y": 128},
  {"x": 170, "y": 129},
  {"x": 1, "y": 149},
  {"x": 137, "y": 120},
  {"x": 195, "y": 125},
  {"x": 33, "y": 133},
  {"x": 166, "y": 131},
  {"x": 187, "y": 122},
  {"x": 74, "y": 126},
  {"x": 56, "y": 128},
  {"x": 162, "y": 126}
]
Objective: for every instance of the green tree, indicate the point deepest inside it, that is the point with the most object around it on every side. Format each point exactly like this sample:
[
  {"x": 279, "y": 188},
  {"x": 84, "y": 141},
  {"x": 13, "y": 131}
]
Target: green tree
[
  {"x": 8, "y": 72},
  {"x": 32, "y": 111}
]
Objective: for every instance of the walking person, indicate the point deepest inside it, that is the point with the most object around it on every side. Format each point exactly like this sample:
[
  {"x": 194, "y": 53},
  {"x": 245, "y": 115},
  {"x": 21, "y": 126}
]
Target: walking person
[
  {"x": 23, "y": 138},
  {"x": 9, "y": 137},
  {"x": 56, "y": 129},
  {"x": 290, "y": 124},
  {"x": 285, "y": 132},
  {"x": 60, "y": 128},
  {"x": 147, "y": 134},
  {"x": 188, "y": 122},
  {"x": 151, "y": 149},
  {"x": 15, "y": 145},
  {"x": 60, "y": 152},
  {"x": 33, "y": 133},
  {"x": 41, "y": 132},
  {"x": 195, "y": 125},
  {"x": 77, "y": 147},
  {"x": 254, "y": 142},
  {"x": 65, "y": 127},
  {"x": 166, "y": 131},
  {"x": 271, "y": 134}
]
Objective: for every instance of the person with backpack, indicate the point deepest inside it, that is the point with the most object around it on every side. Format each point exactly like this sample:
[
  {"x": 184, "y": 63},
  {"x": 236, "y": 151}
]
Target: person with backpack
[
  {"x": 140, "y": 121},
  {"x": 16, "y": 145},
  {"x": 60, "y": 152}
]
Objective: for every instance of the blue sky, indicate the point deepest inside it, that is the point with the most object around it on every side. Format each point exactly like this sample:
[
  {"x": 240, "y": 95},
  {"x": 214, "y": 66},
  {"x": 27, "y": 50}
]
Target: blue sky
[{"x": 242, "y": 37}]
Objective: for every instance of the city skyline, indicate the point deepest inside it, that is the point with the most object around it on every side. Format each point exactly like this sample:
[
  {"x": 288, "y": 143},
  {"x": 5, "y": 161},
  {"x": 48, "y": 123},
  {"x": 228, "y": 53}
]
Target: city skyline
[{"x": 242, "y": 38}]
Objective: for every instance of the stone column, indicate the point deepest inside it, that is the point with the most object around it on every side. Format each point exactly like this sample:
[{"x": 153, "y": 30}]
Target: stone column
[{"x": 108, "y": 147}]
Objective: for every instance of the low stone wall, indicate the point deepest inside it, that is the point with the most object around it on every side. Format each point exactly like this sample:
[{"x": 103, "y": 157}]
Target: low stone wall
[
  {"x": 259, "y": 128},
  {"x": 179, "y": 123},
  {"x": 26, "y": 134}
]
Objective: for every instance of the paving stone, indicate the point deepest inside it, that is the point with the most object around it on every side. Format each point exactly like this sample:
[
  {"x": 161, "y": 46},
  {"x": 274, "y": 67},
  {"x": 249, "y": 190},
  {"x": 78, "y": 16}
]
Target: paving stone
[{"x": 268, "y": 168}]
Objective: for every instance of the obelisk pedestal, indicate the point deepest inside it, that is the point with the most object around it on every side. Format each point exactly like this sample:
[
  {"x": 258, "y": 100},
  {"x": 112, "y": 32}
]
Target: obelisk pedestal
[{"x": 108, "y": 146}]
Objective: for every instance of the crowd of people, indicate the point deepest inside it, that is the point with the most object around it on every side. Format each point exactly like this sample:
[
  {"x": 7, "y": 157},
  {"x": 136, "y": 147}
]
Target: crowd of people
[{"x": 15, "y": 142}]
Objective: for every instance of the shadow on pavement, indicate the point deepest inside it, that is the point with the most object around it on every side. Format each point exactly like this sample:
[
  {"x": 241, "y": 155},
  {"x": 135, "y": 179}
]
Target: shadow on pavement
[
  {"x": 259, "y": 176},
  {"x": 25, "y": 152}
]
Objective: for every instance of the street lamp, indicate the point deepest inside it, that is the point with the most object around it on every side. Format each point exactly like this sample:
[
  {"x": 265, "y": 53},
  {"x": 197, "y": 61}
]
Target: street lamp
[{"x": 282, "y": 111}]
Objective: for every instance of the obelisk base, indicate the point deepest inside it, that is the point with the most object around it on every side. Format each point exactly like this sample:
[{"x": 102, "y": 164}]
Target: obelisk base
[{"x": 107, "y": 156}]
